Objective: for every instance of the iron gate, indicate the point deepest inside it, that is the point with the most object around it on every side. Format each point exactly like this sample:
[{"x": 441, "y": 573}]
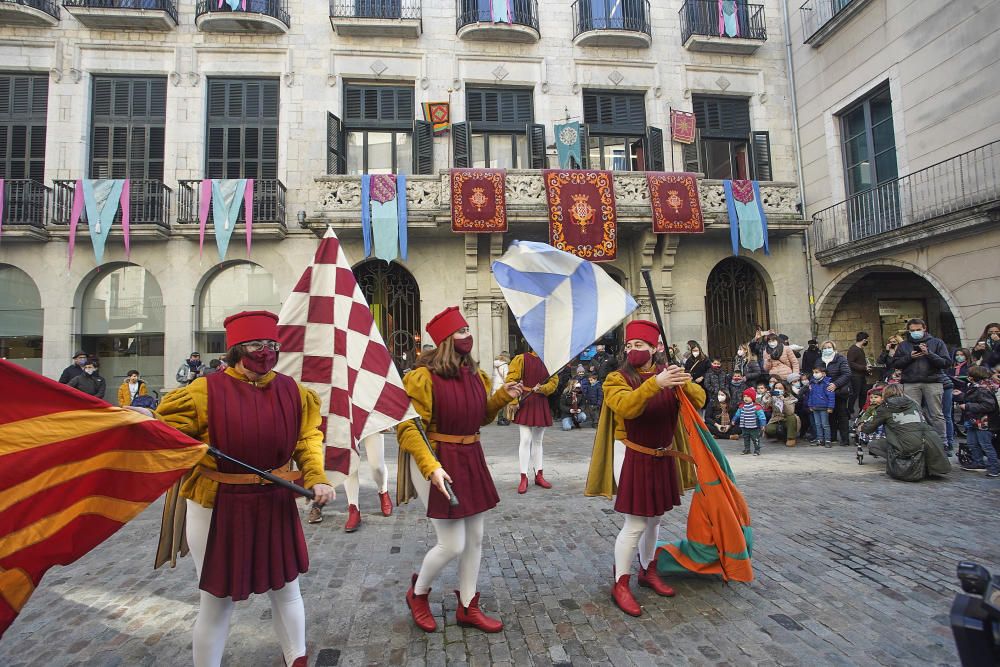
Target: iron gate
[
  {"x": 735, "y": 303},
  {"x": 394, "y": 299}
]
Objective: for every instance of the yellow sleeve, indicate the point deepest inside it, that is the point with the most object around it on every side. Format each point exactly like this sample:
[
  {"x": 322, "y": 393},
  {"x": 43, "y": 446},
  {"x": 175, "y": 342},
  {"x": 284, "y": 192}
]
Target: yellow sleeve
[
  {"x": 628, "y": 403},
  {"x": 696, "y": 393},
  {"x": 550, "y": 386},
  {"x": 309, "y": 454},
  {"x": 142, "y": 390},
  {"x": 123, "y": 395},
  {"x": 420, "y": 388},
  {"x": 186, "y": 409},
  {"x": 496, "y": 401},
  {"x": 515, "y": 369}
]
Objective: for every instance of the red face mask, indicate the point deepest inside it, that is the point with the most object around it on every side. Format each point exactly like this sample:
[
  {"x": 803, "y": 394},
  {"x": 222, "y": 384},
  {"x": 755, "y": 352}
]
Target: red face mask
[
  {"x": 638, "y": 358},
  {"x": 463, "y": 345},
  {"x": 261, "y": 361}
]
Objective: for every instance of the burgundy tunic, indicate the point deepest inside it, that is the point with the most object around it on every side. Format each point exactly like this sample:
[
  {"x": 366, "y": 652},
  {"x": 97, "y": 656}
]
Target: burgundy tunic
[
  {"x": 255, "y": 543},
  {"x": 459, "y": 409},
  {"x": 649, "y": 485},
  {"x": 534, "y": 410}
]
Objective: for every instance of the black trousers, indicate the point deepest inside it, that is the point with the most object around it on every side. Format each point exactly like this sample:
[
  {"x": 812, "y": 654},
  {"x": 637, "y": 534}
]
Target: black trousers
[
  {"x": 857, "y": 393},
  {"x": 840, "y": 422}
]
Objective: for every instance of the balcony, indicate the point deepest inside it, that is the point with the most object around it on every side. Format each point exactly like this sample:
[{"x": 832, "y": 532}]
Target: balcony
[
  {"x": 701, "y": 29},
  {"x": 376, "y": 18},
  {"x": 29, "y": 13},
  {"x": 951, "y": 198},
  {"x": 149, "y": 209},
  {"x": 822, "y": 18},
  {"x": 261, "y": 17},
  {"x": 24, "y": 203},
  {"x": 268, "y": 209},
  {"x": 157, "y": 15},
  {"x": 612, "y": 23},
  {"x": 515, "y": 21}
]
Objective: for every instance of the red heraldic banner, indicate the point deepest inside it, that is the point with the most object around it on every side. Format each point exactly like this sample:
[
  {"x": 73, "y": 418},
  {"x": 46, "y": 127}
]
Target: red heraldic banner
[
  {"x": 582, "y": 215},
  {"x": 478, "y": 200},
  {"x": 73, "y": 470},
  {"x": 676, "y": 202}
]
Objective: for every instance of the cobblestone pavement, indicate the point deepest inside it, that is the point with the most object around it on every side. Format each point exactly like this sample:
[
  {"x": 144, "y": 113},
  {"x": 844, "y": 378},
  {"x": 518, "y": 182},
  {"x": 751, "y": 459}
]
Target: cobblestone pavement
[{"x": 852, "y": 568}]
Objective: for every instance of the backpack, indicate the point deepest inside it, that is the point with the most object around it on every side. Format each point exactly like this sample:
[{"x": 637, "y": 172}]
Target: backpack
[{"x": 148, "y": 402}]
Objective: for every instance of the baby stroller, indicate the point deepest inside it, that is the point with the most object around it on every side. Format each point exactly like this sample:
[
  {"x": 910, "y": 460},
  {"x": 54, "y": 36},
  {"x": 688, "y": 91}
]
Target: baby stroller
[
  {"x": 148, "y": 401},
  {"x": 874, "y": 442}
]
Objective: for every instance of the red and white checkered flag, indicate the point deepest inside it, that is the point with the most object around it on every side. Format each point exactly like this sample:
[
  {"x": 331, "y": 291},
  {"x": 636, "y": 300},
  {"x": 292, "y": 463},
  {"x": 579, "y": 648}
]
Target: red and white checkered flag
[{"x": 329, "y": 342}]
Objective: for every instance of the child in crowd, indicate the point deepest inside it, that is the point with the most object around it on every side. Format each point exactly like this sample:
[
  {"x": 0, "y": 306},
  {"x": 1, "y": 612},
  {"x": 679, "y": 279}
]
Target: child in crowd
[
  {"x": 982, "y": 416},
  {"x": 874, "y": 441},
  {"x": 764, "y": 398},
  {"x": 800, "y": 390},
  {"x": 720, "y": 420},
  {"x": 737, "y": 383},
  {"x": 714, "y": 382},
  {"x": 594, "y": 394},
  {"x": 751, "y": 420},
  {"x": 821, "y": 404}
]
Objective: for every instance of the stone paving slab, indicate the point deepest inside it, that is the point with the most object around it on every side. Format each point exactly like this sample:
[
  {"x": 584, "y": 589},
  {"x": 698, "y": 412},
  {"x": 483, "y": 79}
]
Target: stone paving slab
[{"x": 852, "y": 568}]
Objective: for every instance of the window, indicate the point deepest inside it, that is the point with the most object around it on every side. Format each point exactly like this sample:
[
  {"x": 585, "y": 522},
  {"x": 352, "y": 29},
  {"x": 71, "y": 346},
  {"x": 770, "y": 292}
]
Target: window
[
  {"x": 20, "y": 319},
  {"x": 242, "y": 128},
  {"x": 869, "y": 143},
  {"x": 378, "y": 127},
  {"x": 726, "y": 148},
  {"x": 498, "y": 121},
  {"x": 127, "y": 128},
  {"x": 240, "y": 286},
  {"x": 23, "y": 109},
  {"x": 617, "y": 137}
]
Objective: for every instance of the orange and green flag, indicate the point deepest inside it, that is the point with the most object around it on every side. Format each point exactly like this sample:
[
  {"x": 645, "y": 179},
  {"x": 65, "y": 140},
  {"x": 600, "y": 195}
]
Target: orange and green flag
[{"x": 73, "y": 470}]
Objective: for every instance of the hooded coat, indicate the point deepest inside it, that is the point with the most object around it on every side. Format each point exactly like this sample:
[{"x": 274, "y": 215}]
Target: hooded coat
[{"x": 908, "y": 435}]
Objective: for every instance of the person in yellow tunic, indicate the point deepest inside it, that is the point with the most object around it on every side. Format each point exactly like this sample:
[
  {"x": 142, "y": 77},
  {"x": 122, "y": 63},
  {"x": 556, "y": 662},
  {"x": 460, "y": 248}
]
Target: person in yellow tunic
[
  {"x": 533, "y": 416},
  {"x": 633, "y": 454},
  {"x": 453, "y": 398},
  {"x": 246, "y": 536}
]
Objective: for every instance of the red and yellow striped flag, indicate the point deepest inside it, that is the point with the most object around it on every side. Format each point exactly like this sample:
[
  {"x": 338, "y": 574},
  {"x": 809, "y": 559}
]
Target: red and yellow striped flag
[{"x": 73, "y": 470}]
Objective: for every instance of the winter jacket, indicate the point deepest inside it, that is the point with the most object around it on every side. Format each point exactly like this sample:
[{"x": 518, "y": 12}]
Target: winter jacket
[
  {"x": 928, "y": 368},
  {"x": 566, "y": 403},
  {"x": 736, "y": 389},
  {"x": 70, "y": 372},
  {"x": 981, "y": 406},
  {"x": 499, "y": 373},
  {"x": 784, "y": 365},
  {"x": 89, "y": 384},
  {"x": 809, "y": 359},
  {"x": 186, "y": 374},
  {"x": 908, "y": 435},
  {"x": 713, "y": 382},
  {"x": 838, "y": 371},
  {"x": 749, "y": 368},
  {"x": 787, "y": 408},
  {"x": 857, "y": 361},
  {"x": 959, "y": 374},
  {"x": 696, "y": 367},
  {"x": 749, "y": 416},
  {"x": 819, "y": 398},
  {"x": 125, "y": 396},
  {"x": 594, "y": 394}
]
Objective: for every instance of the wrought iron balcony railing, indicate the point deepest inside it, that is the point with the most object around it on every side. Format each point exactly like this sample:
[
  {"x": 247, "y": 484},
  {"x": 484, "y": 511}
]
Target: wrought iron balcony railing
[
  {"x": 521, "y": 12},
  {"x": 701, "y": 17},
  {"x": 277, "y": 9},
  {"x": 48, "y": 6},
  {"x": 149, "y": 203},
  {"x": 817, "y": 13},
  {"x": 268, "y": 202},
  {"x": 627, "y": 15},
  {"x": 167, "y": 6},
  {"x": 375, "y": 9},
  {"x": 960, "y": 183},
  {"x": 24, "y": 203}
]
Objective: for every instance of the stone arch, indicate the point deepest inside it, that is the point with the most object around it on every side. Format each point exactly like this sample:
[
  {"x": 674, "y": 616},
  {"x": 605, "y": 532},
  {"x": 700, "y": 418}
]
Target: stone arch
[
  {"x": 252, "y": 288},
  {"x": 737, "y": 297},
  {"x": 21, "y": 318}
]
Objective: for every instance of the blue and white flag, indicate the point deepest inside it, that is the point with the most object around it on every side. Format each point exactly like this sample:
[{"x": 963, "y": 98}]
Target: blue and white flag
[{"x": 561, "y": 303}]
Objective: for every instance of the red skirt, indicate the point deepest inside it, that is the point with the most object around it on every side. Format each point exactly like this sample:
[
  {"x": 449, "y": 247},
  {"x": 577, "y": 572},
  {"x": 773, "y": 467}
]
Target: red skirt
[
  {"x": 255, "y": 543},
  {"x": 471, "y": 481},
  {"x": 648, "y": 485},
  {"x": 534, "y": 411}
]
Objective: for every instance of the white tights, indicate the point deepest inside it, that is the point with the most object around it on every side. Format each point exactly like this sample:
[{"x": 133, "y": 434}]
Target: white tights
[
  {"x": 639, "y": 532},
  {"x": 375, "y": 451},
  {"x": 211, "y": 628},
  {"x": 456, "y": 538},
  {"x": 530, "y": 451}
]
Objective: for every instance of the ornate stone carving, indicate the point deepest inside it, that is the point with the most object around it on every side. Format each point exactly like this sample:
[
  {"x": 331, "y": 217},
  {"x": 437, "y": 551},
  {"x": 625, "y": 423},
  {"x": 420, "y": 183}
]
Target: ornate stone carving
[
  {"x": 631, "y": 189},
  {"x": 499, "y": 308},
  {"x": 525, "y": 189},
  {"x": 422, "y": 193},
  {"x": 340, "y": 195},
  {"x": 668, "y": 303},
  {"x": 470, "y": 307},
  {"x": 644, "y": 307}
]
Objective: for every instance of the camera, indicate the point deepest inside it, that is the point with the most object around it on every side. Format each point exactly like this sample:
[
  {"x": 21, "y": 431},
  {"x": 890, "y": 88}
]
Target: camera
[{"x": 975, "y": 616}]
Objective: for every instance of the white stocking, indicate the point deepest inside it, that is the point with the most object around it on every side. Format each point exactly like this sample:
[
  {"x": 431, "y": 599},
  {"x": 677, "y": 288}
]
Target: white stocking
[
  {"x": 537, "y": 434},
  {"x": 375, "y": 451},
  {"x": 628, "y": 540},
  {"x": 289, "y": 617},
  {"x": 471, "y": 558},
  {"x": 211, "y": 628},
  {"x": 530, "y": 450},
  {"x": 647, "y": 543}
]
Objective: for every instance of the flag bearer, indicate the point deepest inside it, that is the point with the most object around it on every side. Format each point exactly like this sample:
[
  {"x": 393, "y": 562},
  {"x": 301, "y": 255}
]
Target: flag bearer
[
  {"x": 533, "y": 416},
  {"x": 453, "y": 398}
]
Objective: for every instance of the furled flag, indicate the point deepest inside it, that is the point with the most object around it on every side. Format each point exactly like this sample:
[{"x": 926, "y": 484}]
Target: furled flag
[
  {"x": 73, "y": 470},
  {"x": 562, "y": 303},
  {"x": 329, "y": 342}
]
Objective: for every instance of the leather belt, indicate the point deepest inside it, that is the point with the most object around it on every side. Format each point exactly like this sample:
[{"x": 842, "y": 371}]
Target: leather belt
[
  {"x": 453, "y": 439},
  {"x": 284, "y": 472},
  {"x": 659, "y": 452}
]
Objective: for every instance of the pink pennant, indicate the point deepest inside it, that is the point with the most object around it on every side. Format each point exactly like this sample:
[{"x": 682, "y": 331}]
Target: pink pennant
[
  {"x": 204, "y": 200},
  {"x": 74, "y": 218},
  {"x": 125, "y": 219},
  {"x": 248, "y": 212}
]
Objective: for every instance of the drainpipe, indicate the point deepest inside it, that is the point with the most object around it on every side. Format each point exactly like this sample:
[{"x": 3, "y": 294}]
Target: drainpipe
[{"x": 798, "y": 166}]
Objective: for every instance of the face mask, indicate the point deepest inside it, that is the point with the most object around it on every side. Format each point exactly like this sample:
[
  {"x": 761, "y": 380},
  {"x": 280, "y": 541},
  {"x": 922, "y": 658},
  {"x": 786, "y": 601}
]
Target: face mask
[
  {"x": 828, "y": 354},
  {"x": 959, "y": 358},
  {"x": 716, "y": 366},
  {"x": 741, "y": 353},
  {"x": 695, "y": 353},
  {"x": 722, "y": 398},
  {"x": 82, "y": 362},
  {"x": 463, "y": 345},
  {"x": 779, "y": 391},
  {"x": 638, "y": 358},
  {"x": 261, "y": 361},
  {"x": 818, "y": 376},
  {"x": 88, "y": 371},
  {"x": 772, "y": 344},
  {"x": 917, "y": 335}
]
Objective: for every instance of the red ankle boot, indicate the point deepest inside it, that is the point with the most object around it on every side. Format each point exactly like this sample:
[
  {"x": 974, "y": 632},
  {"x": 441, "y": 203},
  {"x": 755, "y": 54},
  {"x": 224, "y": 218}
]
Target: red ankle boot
[
  {"x": 420, "y": 609},
  {"x": 472, "y": 617},
  {"x": 623, "y": 597},
  {"x": 540, "y": 481},
  {"x": 353, "y": 519},
  {"x": 386, "y": 503},
  {"x": 650, "y": 578},
  {"x": 523, "y": 486},
  {"x": 301, "y": 661}
]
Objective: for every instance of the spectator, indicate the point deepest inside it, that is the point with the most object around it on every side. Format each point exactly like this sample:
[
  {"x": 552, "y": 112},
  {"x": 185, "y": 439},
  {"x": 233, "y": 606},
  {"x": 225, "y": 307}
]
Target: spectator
[
  {"x": 979, "y": 404},
  {"x": 991, "y": 338},
  {"x": 750, "y": 418},
  {"x": 914, "y": 448},
  {"x": 796, "y": 349},
  {"x": 784, "y": 423},
  {"x": 573, "y": 406},
  {"x": 715, "y": 380},
  {"x": 809, "y": 358},
  {"x": 885, "y": 359},
  {"x": 603, "y": 363},
  {"x": 821, "y": 405},
  {"x": 214, "y": 366},
  {"x": 696, "y": 364},
  {"x": 500, "y": 367},
  {"x": 779, "y": 360},
  {"x": 720, "y": 418},
  {"x": 190, "y": 370},
  {"x": 858, "y": 363},
  {"x": 737, "y": 384},
  {"x": 746, "y": 364},
  {"x": 800, "y": 390},
  {"x": 838, "y": 372},
  {"x": 763, "y": 398},
  {"x": 594, "y": 394},
  {"x": 75, "y": 369},
  {"x": 90, "y": 381},
  {"x": 922, "y": 359},
  {"x": 758, "y": 345},
  {"x": 132, "y": 386}
]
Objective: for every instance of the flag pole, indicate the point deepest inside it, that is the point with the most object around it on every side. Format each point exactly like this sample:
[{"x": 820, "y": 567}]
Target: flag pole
[
  {"x": 419, "y": 423},
  {"x": 274, "y": 479},
  {"x": 648, "y": 279}
]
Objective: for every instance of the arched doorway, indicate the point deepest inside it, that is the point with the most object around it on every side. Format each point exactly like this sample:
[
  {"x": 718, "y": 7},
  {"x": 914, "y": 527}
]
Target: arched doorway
[
  {"x": 234, "y": 287},
  {"x": 122, "y": 323},
  {"x": 20, "y": 319},
  {"x": 394, "y": 299},
  {"x": 735, "y": 303}
]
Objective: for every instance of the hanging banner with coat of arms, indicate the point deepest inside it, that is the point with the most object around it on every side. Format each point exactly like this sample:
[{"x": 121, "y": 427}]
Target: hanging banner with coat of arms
[
  {"x": 583, "y": 219},
  {"x": 676, "y": 203},
  {"x": 478, "y": 200}
]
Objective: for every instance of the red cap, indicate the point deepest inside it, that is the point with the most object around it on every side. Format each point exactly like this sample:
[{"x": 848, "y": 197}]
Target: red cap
[
  {"x": 445, "y": 323},
  {"x": 643, "y": 330},
  {"x": 751, "y": 392},
  {"x": 250, "y": 325}
]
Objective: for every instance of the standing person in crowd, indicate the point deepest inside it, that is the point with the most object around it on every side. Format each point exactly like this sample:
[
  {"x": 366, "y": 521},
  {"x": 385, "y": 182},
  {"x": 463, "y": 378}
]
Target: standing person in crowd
[
  {"x": 838, "y": 374},
  {"x": 501, "y": 365},
  {"x": 715, "y": 380},
  {"x": 534, "y": 415},
  {"x": 737, "y": 383},
  {"x": 602, "y": 362},
  {"x": 720, "y": 418},
  {"x": 132, "y": 386},
  {"x": 990, "y": 348},
  {"x": 885, "y": 359},
  {"x": 190, "y": 370},
  {"x": 858, "y": 363},
  {"x": 821, "y": 405},
  {"x": 745, "y": 363},
  {"x": 979, "y": 405},
  {"x": 922, "y": 358},
  {"x": 573, "y": 405},
  {"x": 751, "y": 419},
  {"x": 696, "y": 364},
  {"x": 214, "y": 366},
  {"x": 758, "y": 344},
  {"x": 594, "y": 396},
  {"x": 90, "y": 381},
  {"x": 643, "y": 413},
  {"x": 784, "y": 423},
  {"x": 958, "y": 373},
  {"x": 800, "y": 390},
  {"x": 809, "y": 358},
  {"x": 779, "y": 359},
  {"x": 75, "y": 369},
  {"x": 453, "y": 398}
]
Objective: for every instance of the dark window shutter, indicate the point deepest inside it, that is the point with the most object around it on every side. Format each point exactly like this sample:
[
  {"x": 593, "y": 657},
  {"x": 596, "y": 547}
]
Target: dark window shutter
[
  {"x": 23, "y": 107},
  {"x": 462, "y": 149},
  {"x": 760, "y": 143},
  {"x": 722, "y": 117},
  {"x": 498, "y": 109},
  {"x": 242, "y": 130},
  {"x": 691, "y": 154},
  {"x": 423, "y": 147},
  {"x": 585, "y": 148},
  {"x": 654, "y": 149},
  {"x": 610, "y": 113},
  {"x": 378, "y": 107},
  {"x": 536, "y": 146},
  {"x": 335, "y": 162},
  {"x": 127, "y": 127}
]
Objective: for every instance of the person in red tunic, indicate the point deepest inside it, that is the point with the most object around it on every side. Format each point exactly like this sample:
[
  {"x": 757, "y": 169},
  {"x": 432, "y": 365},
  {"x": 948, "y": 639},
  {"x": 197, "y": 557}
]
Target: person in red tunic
[
  {"x": 453, "y": 398},
  {"x": 533, "y": 416},
  {"x": 246, "y": 536}
]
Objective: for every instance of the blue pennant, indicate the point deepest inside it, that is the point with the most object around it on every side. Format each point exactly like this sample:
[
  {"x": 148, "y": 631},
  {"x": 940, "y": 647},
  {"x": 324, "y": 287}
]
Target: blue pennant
[{"x": 101, "y": 196}]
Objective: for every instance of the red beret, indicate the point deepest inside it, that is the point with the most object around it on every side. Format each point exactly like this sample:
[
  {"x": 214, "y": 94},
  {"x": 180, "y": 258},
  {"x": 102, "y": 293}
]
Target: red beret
[
  {"x": 250, "y": 325},
  {"x": 643, "y": 330},
  {"x": 445, "y": 323}
]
